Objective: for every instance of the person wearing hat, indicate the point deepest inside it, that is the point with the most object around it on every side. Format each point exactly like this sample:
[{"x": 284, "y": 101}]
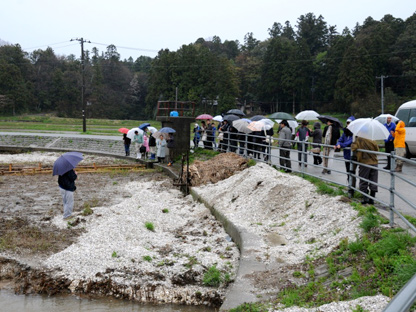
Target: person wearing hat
[
  {"x": 389, "y": 142},
  {"x": 285, "y": 133}
]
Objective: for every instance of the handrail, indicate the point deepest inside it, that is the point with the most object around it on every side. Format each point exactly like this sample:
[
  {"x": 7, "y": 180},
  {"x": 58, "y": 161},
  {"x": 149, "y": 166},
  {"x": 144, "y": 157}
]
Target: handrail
[{"x": 405, "y": 298}]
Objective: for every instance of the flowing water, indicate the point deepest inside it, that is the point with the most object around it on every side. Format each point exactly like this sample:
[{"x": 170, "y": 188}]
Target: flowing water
[{"x": 9, "y": 302}]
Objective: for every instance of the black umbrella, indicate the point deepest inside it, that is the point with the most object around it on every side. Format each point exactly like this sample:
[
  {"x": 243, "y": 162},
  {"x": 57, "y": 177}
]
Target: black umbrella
[
  {"x": 257, "y": 118},
  {"x": 236, "y": 112},
  {"x": 334, "y": 120},
  {"x": 230, "y": 117}
]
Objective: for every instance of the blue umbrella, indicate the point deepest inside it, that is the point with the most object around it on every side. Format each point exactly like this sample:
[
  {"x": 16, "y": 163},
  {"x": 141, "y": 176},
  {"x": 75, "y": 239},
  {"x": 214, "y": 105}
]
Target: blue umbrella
[
  {"x": 144, "y": 125},
  {"x": 167, "y": 130},
  {"x": 66, "y": 162}
]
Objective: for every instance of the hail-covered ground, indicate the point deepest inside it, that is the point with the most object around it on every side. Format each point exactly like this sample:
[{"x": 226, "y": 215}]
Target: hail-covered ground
[{"x": 153, "y": 241}]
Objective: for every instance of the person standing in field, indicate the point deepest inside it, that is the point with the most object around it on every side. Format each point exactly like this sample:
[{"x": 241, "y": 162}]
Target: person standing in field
[
  {"x": 67, "y": 188},
  {"x": 127, "y": 142}
]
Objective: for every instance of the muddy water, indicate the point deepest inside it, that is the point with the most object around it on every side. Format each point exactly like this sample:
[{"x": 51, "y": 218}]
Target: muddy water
[{"x": 10, "y": 302}]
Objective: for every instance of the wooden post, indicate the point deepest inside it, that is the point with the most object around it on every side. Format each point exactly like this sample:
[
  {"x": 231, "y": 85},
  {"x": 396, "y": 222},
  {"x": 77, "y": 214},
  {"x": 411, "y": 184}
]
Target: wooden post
[{"x": 10, "y": 167}]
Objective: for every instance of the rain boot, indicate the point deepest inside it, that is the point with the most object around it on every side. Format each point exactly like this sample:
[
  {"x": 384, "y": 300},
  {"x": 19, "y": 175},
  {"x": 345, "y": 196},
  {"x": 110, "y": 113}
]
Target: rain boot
[
  {"x": 399, "y": 168},
  {"x": 370, "y": 200},
  {"x": 365, "y": 200}
]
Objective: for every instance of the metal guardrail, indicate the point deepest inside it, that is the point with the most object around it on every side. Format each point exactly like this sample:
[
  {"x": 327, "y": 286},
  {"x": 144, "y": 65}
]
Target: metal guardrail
[{"x": 256, "y": 147}]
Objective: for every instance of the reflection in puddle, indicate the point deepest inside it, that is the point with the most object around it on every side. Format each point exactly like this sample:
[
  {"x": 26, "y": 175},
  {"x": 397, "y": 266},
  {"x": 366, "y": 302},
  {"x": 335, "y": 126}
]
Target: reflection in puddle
[{"x": 10, "y": 302}]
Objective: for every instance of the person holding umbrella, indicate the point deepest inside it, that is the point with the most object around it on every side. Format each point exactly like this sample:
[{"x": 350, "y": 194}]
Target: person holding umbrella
[
  {"x": 64, "y": 167},
  {"x": 345, "y": 142},
  {"x": 368, "y": 171}
]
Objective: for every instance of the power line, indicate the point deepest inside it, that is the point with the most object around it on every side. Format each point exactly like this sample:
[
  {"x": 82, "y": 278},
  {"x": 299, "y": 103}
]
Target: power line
[{"x": 128, "y": 48}]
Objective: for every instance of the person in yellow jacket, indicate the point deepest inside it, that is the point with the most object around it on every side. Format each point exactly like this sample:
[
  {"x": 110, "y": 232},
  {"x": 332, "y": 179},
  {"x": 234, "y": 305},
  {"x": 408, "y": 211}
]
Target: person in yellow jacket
[
  {"x": 399, "y": 143},
  {"x": 367, "y": 171}
]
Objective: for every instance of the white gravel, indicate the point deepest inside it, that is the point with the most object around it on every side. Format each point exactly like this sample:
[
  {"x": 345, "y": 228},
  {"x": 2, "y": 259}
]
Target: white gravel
[{"x": 48, "y": 158}]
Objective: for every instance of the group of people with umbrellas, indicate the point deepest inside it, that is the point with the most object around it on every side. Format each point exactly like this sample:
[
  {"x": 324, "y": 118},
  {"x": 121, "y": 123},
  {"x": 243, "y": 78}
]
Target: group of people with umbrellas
[
  {"x": 149, "y": 142},
  {"x": 233, "y": 130}
]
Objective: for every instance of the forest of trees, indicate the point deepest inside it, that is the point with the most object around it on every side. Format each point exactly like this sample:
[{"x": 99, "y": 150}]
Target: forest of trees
[{"x": 309, "y": 66}]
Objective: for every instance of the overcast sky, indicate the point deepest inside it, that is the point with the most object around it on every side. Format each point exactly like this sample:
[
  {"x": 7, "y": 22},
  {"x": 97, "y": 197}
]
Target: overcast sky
[{"x": 143, "y": 27}]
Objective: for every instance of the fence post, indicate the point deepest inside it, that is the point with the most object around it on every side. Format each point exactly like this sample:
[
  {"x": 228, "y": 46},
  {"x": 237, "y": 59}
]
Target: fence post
[
  {"x": 350, "y": 177},
  {"x": 302, "y": 157},
  {"x": 392, "y": 185}
]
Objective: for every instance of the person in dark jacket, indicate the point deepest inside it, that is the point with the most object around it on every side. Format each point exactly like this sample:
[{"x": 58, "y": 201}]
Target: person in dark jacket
[
  {"x": 127, "y": 142},
  {"x": 152, "y": 146},
  {"x": 225, "y": 135},
  {"x": 67, "y": 188},
  {"x": 345, "y": 142},
  {"x": 316, "y": 135},
  {"x": 170, "y": 145},
  {"x": 331, "y": 135},
  {"x": 389, "y": 142},
  {"x": 285, "y": 134},
  {"x": 302, "y": 136},
  {"x": 267, "y": 142}
]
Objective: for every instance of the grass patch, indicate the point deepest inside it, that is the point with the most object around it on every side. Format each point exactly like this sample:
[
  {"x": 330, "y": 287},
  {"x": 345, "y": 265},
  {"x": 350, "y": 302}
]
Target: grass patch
[
  {"x": 380, "y": 262},
  {"x": 147, "y": 258},
  {"x": 202, "y": 154},
  {"x": 323, "y": 187},
  {"x": 149, "y": 226},
  {"x": 212, "y": 277},
  {"x": 165, "y": 210}
]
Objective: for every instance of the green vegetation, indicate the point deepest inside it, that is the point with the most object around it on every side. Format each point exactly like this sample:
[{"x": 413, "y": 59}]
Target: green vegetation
[
  {"x": 147, "y": 258},
  {"x": 323, "y": 187},
  {"x": 50, "y": 123},
  {"x": 212, "y": 277},
  {"x": 381, "y": 261},
  {"x": 149, "y": 226},
  {"x": 165, "y": 210},
  {"x": 202, "y": 154},
  {"x": 114, "y": 254}
]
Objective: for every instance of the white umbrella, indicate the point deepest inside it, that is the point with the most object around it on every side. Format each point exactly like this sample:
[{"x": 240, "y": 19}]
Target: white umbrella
[
  {"x": 383, "y": 118},
  {"x": 241, "y": 125},
  {"x": 307, "y": 115},
  {"x": 368, "y": 128},
  {"x": 130, "y": 134},
  {"x": 260, "y": 125},
  {"x": 152, "y": 129},
  {"x": 217, "y": 118}
]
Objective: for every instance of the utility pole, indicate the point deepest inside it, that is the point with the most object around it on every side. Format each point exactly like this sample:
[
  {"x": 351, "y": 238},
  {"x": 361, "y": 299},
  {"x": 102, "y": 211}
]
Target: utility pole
[
  {"x": 382, "y": 91},
  {"x": 83, "y": 105}
]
